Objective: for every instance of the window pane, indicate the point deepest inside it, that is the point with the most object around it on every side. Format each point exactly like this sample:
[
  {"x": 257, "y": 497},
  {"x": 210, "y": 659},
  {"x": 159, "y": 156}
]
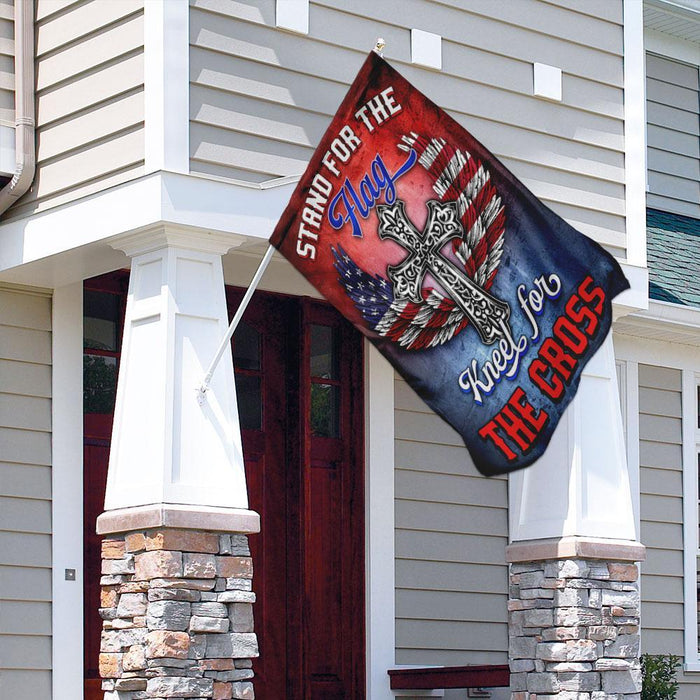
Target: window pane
[
  {"x": 324, "y": 352},
  {"x": 101, "y": 313},
  {"x": 249, "y": 401},
  {"x": 246, "y": 347},
  {"x": 99, "y": 383},
  {"x": 325, "y": 410}
]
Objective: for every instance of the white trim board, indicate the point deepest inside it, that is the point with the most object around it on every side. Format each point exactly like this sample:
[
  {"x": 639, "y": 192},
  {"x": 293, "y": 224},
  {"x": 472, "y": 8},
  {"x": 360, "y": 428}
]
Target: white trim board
[
  {"x": 635, "y": 132},
  {"x": 67, "y": 491},
  {"x": 690, "y": 517},
  {"x": 629, "y": 395},
  {"x": 167, "y": 86},
  {"x": 671, "y": 46},
  {"x": 7, "y": 150},
  {"x": 652, "y": 351},
  {"x": 379, "y": 519},
  {"x": 89, "y": 223},
  {"x": 633, "y": 467}
]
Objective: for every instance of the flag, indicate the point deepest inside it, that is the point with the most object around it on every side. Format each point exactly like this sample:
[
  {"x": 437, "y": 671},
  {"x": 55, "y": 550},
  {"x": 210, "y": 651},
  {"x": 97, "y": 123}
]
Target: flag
[{"x": 485, "y": 301}]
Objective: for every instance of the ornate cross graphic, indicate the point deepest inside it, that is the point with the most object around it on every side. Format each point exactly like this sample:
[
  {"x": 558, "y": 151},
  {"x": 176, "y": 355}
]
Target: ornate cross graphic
[{"x": 488, "y": 314}]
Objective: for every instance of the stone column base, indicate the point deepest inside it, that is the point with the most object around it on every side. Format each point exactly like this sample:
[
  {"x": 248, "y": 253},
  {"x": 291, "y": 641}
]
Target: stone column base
[
  {"x": 177, "y": 612},
  {"x": 573, "y": 627}
]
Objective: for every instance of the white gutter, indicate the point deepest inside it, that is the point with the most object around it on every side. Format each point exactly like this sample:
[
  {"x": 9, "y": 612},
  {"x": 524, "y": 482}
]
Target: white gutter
[
  {"x": 684, "y": 9},
  {"x": 24, "y": 106}
]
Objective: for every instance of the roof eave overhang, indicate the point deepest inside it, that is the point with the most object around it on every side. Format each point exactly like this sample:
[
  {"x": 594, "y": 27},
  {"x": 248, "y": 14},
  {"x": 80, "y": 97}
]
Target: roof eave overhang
[{"x": 663, "y": 321}]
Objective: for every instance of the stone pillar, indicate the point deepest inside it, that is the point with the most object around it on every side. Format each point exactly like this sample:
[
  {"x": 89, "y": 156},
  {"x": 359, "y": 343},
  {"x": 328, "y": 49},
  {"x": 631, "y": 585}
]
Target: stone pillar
[
  {"x": 178, "y": 617},
  {"x": 176, "y": 570},
  {"x": 573, "y": 620},
  {"x": 573, "y": 615}
]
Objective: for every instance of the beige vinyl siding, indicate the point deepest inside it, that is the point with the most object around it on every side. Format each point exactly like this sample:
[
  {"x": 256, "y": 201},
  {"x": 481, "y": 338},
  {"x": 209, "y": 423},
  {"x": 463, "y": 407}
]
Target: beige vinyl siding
[
  {"x": 261, "y": 98},
  {"x": 90, "y": 101},
  {"x": 7, "y": 63},
  {"x": 451, "y": 534},
  {"x": 673, "y": 136},
  {"x": 25, "y": 494}
]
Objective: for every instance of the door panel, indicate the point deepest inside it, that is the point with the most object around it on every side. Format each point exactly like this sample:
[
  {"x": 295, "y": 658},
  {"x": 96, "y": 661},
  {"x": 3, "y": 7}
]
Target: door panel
[
  {"x": 260, "y": 352},
  {"x": 334, "y": 508}
]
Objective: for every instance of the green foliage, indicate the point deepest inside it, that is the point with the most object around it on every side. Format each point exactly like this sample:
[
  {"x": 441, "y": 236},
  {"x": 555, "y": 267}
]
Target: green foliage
[
  {"x": 659, "y": 676},
  {"x": 99, "y": 383}
]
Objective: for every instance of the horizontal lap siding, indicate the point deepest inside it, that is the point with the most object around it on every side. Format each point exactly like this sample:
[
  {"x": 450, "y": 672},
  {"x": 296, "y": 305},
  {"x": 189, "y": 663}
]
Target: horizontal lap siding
[
  {"x": 90, "y": 102},
  {"x": 261, "y": 98},
  {"x": 673, "y": 135},
  {"x": 7, "y": 63},
  {"x": 451, "y": 534},
  {"x": 25, "y": 495},
  {"x": 661, "y": 485}
]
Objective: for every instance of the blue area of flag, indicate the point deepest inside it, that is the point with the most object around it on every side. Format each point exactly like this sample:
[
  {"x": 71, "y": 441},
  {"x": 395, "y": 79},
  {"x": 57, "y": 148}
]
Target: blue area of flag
[{"x": 371, "y": 294}]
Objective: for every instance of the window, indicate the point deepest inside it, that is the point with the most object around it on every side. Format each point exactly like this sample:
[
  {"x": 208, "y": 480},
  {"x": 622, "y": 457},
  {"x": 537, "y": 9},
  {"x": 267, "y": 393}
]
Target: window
[{"x": 101, "y": 317}]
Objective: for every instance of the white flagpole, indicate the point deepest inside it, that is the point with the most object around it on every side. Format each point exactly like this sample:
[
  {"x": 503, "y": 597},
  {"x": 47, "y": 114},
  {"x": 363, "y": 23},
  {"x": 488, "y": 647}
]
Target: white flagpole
[{"x": 202, "y": 389}]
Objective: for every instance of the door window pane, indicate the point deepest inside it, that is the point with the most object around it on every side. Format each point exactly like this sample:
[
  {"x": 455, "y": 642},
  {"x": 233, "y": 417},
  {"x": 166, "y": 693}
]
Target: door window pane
[
  {"x": 325, "y": 384},
  {"x": 325, "y": 410},
  {"x": 249, "y": 401},
  {"x": 99, "y": 383},
  {"x": 324, "y": 352},
  {"x": 100, "y": 316},
  {"x": 247, "y": 362},
  {"x": 246, "y": 347}
]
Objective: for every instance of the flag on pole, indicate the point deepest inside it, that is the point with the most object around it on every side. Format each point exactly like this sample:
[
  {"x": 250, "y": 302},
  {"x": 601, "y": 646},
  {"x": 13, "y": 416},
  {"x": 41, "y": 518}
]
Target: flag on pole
[{"x": 481, "y": 297}]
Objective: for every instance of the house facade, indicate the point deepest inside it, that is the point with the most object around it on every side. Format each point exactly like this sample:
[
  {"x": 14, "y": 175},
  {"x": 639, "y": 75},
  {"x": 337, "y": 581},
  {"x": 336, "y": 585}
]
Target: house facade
[{"x": 167, "y": 138}]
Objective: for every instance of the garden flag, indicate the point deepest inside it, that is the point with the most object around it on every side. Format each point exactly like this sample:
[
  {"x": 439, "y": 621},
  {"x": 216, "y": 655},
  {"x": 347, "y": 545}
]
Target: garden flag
[{"x": 482, "y": 298}]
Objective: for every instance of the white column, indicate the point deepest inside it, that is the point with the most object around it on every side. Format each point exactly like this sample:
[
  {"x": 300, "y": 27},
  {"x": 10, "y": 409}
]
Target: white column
[
  {"x": 166, "y": 447},
  {"x": 580, "y": 487}
]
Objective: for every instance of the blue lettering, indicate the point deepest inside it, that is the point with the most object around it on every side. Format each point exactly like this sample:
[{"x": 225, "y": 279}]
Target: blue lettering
[{"x": 348, "y": 204}]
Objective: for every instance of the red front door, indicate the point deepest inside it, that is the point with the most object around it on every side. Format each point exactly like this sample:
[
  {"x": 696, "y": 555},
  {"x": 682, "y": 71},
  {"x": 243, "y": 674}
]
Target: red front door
[{"x": 299, "y": 382}]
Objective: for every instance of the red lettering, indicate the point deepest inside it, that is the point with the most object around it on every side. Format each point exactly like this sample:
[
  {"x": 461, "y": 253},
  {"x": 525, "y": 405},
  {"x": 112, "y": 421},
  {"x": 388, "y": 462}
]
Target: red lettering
[
  {"x": 527, "y": 410},
  {"x": 570, "y": 335},
  {"x": 520, "y": 423},
  {"x": 538, "y": 374},
  {"x": 589, "y": 295},
  {"x": 583, "y": 313},
  {"x": 490, "y": 430},
  {"x": 515, "y": 427},
  {"x": 557, "y": 359},
  {"x": 560, "y": 361}
]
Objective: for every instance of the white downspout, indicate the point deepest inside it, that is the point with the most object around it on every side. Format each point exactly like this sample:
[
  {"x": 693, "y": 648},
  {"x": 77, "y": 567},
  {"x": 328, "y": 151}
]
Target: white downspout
[{"x": 24, "y": 106}]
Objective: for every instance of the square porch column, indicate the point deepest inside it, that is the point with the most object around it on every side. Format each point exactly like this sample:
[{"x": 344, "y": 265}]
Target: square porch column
[
  {"x": 176, "y": 569},
  {"x": 573, "y": 609}
]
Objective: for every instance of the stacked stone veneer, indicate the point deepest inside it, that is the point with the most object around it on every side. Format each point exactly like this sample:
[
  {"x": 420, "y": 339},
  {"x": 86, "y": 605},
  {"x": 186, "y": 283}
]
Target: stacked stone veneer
[
  {"x": 574, "y": 630},
  {"x": 177, "y": 616}
]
